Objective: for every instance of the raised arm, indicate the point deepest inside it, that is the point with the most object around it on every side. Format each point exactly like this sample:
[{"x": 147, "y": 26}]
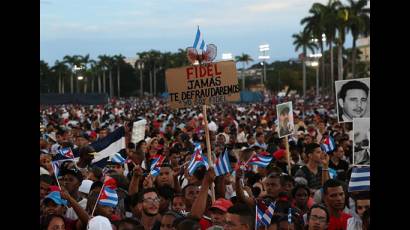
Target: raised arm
[
  {"x": 135, "y": 180},
  {"x": 240, "y": 192},
  {"x": 199, "y": 205}
]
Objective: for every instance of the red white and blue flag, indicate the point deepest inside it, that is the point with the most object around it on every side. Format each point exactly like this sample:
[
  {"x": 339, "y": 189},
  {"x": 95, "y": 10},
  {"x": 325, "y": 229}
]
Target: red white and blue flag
[
  {"x": 156, "y": 165},
  {"x": 197, "y": 160},
  {"x": 264, "y": 213},
  {"x": 328, "y": 144},
  {"x": 261, "y": 160},
  {"x": 66, "y": 152},
  {"x": 108, "y": 197},
  {"x": 222, "y": 164}
]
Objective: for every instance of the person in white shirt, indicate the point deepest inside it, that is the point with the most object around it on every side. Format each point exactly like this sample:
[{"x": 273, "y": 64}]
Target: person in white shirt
[{"x": 241, "y": 137}]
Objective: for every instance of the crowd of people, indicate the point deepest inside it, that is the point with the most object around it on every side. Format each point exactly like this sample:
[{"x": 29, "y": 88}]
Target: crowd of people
[{"x": 126, "y": 193}]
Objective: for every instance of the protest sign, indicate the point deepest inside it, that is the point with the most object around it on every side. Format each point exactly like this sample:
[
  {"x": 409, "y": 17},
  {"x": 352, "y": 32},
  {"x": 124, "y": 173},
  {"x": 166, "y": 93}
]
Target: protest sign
[
  {"x": 286, "y": 125},
  {"x": 352, "y": 99},
  {"x": 206, "y": 84},
  {"x": 285, "y": 117},
  {"x": 361, "y": 141},
  {"x": 138, "y": 131}
]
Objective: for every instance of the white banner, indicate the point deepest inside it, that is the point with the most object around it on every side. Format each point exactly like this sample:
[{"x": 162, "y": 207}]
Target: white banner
[{"x": 138, "y": 131}]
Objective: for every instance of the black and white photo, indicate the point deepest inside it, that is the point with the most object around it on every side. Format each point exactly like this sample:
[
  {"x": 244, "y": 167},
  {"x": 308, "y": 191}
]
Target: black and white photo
[
  {"x": 352, "y": 99},
  {"x": 285, "y": 118},
  {"x": 361, "y": 141}
]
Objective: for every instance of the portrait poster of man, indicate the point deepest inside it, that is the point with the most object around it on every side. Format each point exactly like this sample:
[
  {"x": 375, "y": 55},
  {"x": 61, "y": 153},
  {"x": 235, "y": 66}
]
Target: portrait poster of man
[
  {"x": 361, "y": 141},
  {"x": 285, "y": 117},
  {"x": 352, "y": 99}
]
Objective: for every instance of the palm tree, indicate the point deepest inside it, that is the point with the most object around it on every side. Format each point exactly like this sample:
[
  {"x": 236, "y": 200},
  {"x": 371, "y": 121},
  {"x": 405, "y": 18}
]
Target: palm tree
[
  {"x": 342, "y": 16},
  {"x": 104, "y": 64},
  {"x": 315, "y": 27},
  {"x": 72, "y": 61},
  {"x": 151, "y": 59},
  {"x": 85, "y": 60},
  {"x": 245, "y": 59},
  {"x": 44, "y": 73},
  {"x": 94, "y": 72},
  {"x": 358, "y": 24},
  {"x": 329, "y": 21},
  {"x": 119, "y": 60},
  {"x": 60, "y": 68},
  {"x": 304, "y": 40}
]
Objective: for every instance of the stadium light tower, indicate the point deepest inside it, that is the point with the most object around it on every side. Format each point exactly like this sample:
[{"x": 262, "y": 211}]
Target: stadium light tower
[{"x": 263, "y": 49}]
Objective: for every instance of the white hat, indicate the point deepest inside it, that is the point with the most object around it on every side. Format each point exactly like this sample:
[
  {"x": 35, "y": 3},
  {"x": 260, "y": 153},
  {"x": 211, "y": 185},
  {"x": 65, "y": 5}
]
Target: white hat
[
  {"x": 85, "y": 186},
  {"x": 212, "y": 126},
  {"x": 99, "y": 223}
]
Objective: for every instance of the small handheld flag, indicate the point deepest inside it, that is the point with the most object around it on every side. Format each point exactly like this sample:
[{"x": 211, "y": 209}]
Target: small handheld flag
[
  {"x": 66, "y": 152},
  {"x": 156, "y": 165},
  {"x": 222, "y": 164},
  {"x": 197, "y": 160},
  {"x": 108, "y": 197},
  {"x": 264, "y": 213},
  {"x": 260, "y": 160},
  {"x": 328, "y": 144}
]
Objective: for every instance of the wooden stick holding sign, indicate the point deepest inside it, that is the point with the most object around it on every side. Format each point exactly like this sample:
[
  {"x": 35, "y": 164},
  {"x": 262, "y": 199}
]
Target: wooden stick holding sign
[
  {"x": 208, "y": 149},
  {"x": 288, "y": 156}
]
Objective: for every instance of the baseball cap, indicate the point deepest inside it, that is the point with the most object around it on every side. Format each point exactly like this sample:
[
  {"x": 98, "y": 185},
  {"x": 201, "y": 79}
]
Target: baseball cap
[
  {"x": 56, "y": 198},
  {"x": 222, "y": 204}
]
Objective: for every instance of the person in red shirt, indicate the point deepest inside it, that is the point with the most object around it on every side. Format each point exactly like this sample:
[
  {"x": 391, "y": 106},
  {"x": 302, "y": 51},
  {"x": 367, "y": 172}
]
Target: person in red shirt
[{"x": 334, "y": 197}]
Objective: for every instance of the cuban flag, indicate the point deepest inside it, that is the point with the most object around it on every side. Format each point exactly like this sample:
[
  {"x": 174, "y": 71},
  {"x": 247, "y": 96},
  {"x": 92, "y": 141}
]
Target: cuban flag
[
  {"x": 360, "y": 179},
  {"x": 108, "y": 146},
  {"x": 222, "y": 164},
  {"x": 156, "y": 165},
  {"x": 199, "y": 37},
  {"x": 328, "y": 144},
  {"x": 264, "y": 213},
  {"x": 117, "y": 158},
  {"x": 57, "y": 165},
  {"x": 108, "y": 197},
  {"x": 197, "y": 160},
  {"x": 261, "y": 160},
  {"x": 66, "y": 152}
]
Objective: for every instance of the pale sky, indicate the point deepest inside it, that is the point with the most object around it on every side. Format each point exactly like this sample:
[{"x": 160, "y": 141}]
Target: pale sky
[{"x": 96, "y": 27}]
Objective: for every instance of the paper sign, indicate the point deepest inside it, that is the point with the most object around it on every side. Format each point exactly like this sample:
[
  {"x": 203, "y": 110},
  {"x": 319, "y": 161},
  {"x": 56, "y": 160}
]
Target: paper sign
[
  {"x": 211, "y": 83},
  {"x": 138, "y": 131},
  {"x": 285, "y": 117}
]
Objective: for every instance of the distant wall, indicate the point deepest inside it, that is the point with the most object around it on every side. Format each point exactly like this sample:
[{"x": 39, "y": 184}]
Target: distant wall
[{"x": 81, "y": 99}]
